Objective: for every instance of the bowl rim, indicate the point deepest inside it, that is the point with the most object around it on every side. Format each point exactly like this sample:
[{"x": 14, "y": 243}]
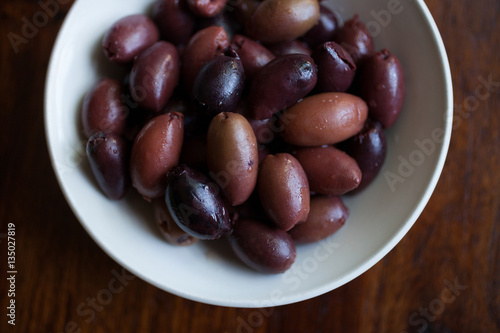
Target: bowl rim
[{"x": 314, "y": 292}]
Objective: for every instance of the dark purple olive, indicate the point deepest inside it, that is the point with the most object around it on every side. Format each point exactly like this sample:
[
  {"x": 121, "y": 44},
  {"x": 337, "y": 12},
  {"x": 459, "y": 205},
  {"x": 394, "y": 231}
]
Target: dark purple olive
[
  {"x": 128, "y": 37},
  {"x": 243, "y": 9},
  {"x": 167, "y": 226},
  {"x": 293, "y": 46},
  {"x": 336, "y": 69},
  {"x": 263, "y": 248},
  {"x": 324, "y": 30},
  {"x": 327, "y": 215},
  {"x": 225, "y": 19},
  {"x": 219, "y": 85},
  {"x": 104, "y": 108},
  {"x": 356, "y": 39},
  {"x": 382, "y": 86},
  {"x": 281, "y": 83},
  {"x": 196, "y": 205},
  {"x": 368, "y": 148},
  {"x": 206, "y": 8},
  {"x": 108, "y": 155},
  {"x": 175, "y": 21},
  {"x": 155, "y": 75},
  {"x": 253, "y": 55}
]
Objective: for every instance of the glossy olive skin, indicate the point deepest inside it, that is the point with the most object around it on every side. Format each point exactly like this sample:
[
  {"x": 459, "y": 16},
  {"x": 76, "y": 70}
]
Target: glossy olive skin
[
  {"x": 203, "y": 46},
  {"x": 155, "y": 75},
  {"x": 175, "y": 22},
  {"x": 253, "y": 55},
  {"x": 293, "y": 46},
  {"x": 281, "y": 83},
  {"x": 155, "y": 151},
  {"x": 283, "y": 190},
  {"x": 324, "y": 31},
  {"x": 323, "y": 119},
  {"x": 277, "y": 20},
  {"x": 167, "y": 226},
  {"x": 382, "y": 86},
  {"x": 219, "y": 84},
  {"x": 103, "y": 108},
  {"x": 128, "y": 37},
  {"x": 196, "y": 205},
  {"x": 261, "y": 247},
  {"x": 329, "y": 170},
  {"x": 206, "y": 8},
  {"x": 368, "y": 148},
  {"x": 232, "y": 156},
  {"x": 336, "y": 69},
  {"x": 108, "y": 155},
  {"x": 328, "y": 214},
  {"x": 356, "y": 39}
]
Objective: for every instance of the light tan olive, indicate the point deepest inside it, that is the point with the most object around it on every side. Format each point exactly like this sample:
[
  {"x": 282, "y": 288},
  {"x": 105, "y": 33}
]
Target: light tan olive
[
  {"x": 167, "y": 226},
  {"x": 327, "y": 215},
  {"x": 232, "y": 156},
  {"x": 156, "y": 150},
  {"x": 323, "y": 119},
  {"x": 278, "y": 20},
  {"x": 329, "y": 170},
  {"x": 283, "y": 190}
]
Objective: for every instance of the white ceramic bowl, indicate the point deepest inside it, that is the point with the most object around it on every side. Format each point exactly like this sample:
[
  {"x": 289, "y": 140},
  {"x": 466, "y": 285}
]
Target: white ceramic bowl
[{"x": 208, "y": 272}]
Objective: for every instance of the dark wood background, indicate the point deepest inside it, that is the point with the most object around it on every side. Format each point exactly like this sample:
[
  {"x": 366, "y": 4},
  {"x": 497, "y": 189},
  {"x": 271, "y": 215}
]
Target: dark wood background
[{"x": 456, "y": 239}]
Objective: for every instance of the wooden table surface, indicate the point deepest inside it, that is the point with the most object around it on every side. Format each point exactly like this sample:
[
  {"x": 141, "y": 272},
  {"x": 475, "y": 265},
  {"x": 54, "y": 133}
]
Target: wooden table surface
[{"x": 444, "y": 276}]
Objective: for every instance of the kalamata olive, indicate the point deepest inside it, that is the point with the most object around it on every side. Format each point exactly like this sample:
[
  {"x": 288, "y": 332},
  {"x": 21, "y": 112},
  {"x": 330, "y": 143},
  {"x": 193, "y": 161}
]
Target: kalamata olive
[
  {"x": 323, "y": 119},
  {"x": 175, "y": 21},
  {"x": 368, "y": 148},
  {"x": 128, "y": 37},
  {"x": 324, "y": 31},
  {"x": 336, "y": 69},
  {"x": 206, "y": 8},
  {"x": 219, "y": 84},
  {"x": 155, "y": 75},
  {"x": 356, "y": 39},
  {"x": 202, "y": 47},
  {"x": 281, "y": 83},
  {"x": 108, "y": 155},
  {"x": 261, "y": 247},
  {"x": 327, "y": 215},
  {"x": 103, "y": 108},
  {"x": 195, "y": 204},
  {"x": 283, "y": 190},
  {"x": 155, "y": 151},
  {"x": 329, "y": 170},
  {"x": 167, "y": 226},
  {"x": 292, "y": 46},
  {"x": 253, "y": 55},
  {"x": 277, "y": 20},
  {"x": 232, "y": 156},
  {"x": 382, "y": 86},
  {"x": 243, "y": 9}
]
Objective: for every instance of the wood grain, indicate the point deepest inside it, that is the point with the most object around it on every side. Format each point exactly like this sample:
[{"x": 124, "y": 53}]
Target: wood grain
[{"x": 454, "y": 242}]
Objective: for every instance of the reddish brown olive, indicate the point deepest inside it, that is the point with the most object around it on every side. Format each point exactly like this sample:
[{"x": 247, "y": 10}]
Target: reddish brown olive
[
  {"x": 253, "y": 55},
  {"x": 329, "y": 170},
  {"x": 108, "y": 155},
  {"x": 202, "y": 47},
  {"x": 336, "y": 69},
  {"x": 323, "y": 119},
  {"x": 382, "y": 86},
  {"x": 206, "y": 8},
  {"x": 104, "y": 108},
  {"x": 128, "y": 37},
  {"x": 155, "y": 151},
  {"x": 175, "y": 21},
  {"x": 261, "y": 247},
  {"x": 155, "y": 75},
  {"x": 356, "y": 39},
  {"x": 324, "y": 31},
  {"x": 327, "y": 216},
  {"x": 167, "y": 226},
  {"x": 283, "y": 190},
  {"x": 277, "y": 20},
  {"x": 232, "y": 156}
]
